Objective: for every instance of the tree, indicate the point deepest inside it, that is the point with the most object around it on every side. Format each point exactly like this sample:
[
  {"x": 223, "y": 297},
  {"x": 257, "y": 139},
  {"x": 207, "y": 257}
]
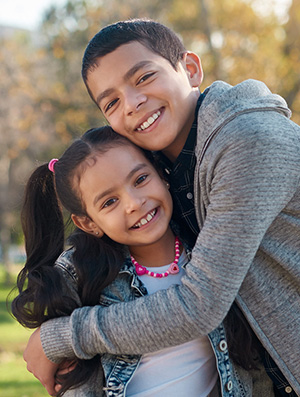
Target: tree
[
  {"x": 44, "y": 104},
  {"x": 26, "y": 129}
]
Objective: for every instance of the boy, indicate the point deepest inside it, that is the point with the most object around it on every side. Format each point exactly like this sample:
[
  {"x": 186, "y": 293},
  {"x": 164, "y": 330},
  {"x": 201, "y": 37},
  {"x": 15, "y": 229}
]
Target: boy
[{"x": 234, "y": 173}]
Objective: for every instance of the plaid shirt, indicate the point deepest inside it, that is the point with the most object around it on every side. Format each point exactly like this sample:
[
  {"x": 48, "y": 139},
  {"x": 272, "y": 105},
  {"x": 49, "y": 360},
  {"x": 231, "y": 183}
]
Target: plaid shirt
[
  {"x": 180, "y": 175},
  {"x": 281, "y": 386}
]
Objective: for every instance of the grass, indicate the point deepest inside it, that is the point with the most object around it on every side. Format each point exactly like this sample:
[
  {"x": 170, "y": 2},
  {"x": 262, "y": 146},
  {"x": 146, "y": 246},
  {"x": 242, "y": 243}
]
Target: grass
[{"x": 15, "y": 380}]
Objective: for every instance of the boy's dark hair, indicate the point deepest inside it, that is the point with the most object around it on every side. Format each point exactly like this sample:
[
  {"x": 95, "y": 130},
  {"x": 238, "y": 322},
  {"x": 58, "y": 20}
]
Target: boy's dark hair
[
  {"x": 156, "y": 37},
  {"x": 97, "y": 260}
]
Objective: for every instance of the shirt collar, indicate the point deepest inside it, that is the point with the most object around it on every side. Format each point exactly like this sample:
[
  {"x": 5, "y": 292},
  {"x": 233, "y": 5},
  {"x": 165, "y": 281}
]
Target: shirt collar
[{"x": 186, "y": 156}]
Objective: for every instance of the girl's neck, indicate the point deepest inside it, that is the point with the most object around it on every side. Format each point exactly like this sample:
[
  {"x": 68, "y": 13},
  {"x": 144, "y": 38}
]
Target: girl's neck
[{"x": 160, "y": 253}]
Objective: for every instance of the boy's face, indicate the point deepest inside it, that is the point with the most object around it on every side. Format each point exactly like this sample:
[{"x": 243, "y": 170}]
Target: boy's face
[{"x": 144, "y": 98}]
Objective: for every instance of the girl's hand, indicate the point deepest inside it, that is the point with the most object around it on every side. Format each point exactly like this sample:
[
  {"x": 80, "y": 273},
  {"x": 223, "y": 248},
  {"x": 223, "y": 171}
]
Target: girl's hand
[{"x": 38, "y": 364}]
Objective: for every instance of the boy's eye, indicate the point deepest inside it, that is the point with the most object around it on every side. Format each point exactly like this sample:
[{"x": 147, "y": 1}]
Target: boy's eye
[
  {"x": 109, "y": 202},
  {"x": 141, "y": 179},
  {"x": 110, "y": 105},
  {"x": 145, "y": 77}
]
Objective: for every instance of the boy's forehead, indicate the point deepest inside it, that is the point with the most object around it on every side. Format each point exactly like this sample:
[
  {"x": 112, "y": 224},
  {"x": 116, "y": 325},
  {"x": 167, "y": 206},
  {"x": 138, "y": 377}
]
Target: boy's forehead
[
  {"x": 119, "y": 66},
  {"x": 130, "y": 53}
]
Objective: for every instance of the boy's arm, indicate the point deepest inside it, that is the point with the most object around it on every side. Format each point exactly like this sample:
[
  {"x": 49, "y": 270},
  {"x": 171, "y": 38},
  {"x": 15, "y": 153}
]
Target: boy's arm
[
  {"x": 38, "y": 364},
  {"x": 250, "y": 181}
]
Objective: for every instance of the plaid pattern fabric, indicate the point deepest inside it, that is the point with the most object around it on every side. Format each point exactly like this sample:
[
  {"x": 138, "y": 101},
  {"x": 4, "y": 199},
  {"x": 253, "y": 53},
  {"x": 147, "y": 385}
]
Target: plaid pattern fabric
[
  {"x": 180, "y": 175},
  {"x": 281, "y": 386}
]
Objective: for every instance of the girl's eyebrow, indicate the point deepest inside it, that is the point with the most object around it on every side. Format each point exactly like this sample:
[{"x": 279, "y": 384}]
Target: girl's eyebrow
[
  {"x": 131, "y": 72},
  {"x": 110, "y": 190}
]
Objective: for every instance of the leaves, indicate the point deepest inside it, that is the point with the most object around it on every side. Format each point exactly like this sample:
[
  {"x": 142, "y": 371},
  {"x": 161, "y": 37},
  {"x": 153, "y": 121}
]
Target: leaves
[{"x": 44, "y": 103}]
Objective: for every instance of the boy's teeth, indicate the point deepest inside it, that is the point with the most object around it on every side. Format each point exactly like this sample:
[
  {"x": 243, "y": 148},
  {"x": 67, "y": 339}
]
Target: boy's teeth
[{"x": 150, "y": 121}]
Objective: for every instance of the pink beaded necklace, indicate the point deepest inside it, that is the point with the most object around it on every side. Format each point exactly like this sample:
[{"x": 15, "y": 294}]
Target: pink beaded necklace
[{"x": 173, "y": 268}]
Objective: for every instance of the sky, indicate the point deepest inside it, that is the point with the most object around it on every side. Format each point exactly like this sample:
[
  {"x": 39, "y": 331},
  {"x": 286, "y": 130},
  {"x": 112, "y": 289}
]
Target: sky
[
  {"x": 25, "y": 14},
  {"x": 28, "y": 13}
]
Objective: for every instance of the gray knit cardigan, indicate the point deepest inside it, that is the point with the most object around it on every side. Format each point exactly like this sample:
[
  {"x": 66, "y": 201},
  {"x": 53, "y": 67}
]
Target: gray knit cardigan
[{"x": 247, "y": 198}]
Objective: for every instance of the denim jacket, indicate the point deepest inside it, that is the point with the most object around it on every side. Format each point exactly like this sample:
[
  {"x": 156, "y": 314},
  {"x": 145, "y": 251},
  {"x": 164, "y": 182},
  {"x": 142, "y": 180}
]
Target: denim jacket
[{"x": 119, "y": 369}]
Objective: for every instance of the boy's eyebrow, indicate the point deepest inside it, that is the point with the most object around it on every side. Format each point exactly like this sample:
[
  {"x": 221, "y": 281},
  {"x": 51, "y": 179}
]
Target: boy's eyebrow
[
  {"x": 103, "y": 95},
  {"x": 135, "y": 68},
  {"x": 110, "y": 190},
  {"x": 131, "y": 72}
]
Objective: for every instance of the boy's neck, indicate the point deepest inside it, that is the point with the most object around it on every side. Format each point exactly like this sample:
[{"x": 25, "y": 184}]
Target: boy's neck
[
  {"x": 158, "y": 254},
  {"x": 174, "y": 151}
]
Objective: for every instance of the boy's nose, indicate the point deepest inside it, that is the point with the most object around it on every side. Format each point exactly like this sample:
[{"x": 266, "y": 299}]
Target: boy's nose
[{"x": 133, "y": 102}]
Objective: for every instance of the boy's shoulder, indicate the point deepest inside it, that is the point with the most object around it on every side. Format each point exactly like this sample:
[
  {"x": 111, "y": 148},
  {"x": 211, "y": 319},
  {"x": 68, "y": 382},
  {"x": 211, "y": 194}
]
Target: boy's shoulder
[
  {"x": 246, "y": 94},
  {"x": 224, "y": 102}
]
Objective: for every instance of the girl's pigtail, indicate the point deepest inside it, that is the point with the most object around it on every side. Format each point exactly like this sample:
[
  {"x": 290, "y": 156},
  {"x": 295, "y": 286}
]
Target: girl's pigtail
[
  {"x": 98, "y": 262},
  {"x": 43, "y": 226}
]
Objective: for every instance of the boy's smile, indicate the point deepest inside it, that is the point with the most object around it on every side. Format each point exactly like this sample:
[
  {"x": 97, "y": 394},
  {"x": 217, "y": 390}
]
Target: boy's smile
[{"x": 144, "y": 98}]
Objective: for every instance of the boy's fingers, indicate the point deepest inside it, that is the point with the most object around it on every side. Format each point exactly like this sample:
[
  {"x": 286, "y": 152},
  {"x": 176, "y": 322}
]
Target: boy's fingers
[{"x": 57, "y": 388}]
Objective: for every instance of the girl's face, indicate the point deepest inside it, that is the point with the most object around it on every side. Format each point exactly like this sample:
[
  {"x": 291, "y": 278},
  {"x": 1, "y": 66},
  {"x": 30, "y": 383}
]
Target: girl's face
[{"x": 125, "y": 198}]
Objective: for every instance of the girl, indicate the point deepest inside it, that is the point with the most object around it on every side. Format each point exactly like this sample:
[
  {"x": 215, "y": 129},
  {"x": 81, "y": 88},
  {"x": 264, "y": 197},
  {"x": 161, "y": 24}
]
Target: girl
[{"x": 123, "y": 248}]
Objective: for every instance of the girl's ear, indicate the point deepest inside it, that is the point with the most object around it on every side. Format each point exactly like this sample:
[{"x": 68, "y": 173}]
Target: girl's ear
[
  {"x": 87, "y": 225},
  {"x": 193, "y": 68}
]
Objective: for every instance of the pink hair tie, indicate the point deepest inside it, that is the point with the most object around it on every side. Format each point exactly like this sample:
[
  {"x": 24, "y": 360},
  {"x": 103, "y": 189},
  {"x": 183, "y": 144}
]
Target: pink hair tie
[{"x": 51, "y": 164}]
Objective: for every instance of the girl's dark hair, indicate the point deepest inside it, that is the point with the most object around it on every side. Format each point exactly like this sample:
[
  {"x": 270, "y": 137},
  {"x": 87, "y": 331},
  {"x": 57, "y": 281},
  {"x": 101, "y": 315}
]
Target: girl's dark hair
[
  {"x": 243, "y": 345},
  {"x": 156, "y": 37},
  {"x": 97, "y": 260}
]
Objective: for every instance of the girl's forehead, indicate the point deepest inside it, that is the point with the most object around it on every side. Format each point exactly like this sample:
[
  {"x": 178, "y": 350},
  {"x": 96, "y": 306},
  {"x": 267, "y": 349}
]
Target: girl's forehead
[{"x": 117, "y": 156}]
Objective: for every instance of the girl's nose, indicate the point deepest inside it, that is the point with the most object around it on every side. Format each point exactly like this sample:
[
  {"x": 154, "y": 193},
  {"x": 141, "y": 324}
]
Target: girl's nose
[{"x": 134, "y": 202}]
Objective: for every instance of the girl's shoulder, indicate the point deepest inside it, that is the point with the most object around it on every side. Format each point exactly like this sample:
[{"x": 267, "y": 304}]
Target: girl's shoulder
[{"x": 65, "y": 263}]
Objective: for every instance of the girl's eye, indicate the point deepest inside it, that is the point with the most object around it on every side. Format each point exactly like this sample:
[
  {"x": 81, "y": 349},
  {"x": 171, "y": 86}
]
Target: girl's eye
[
  {"x": 109, "y": 202},
  {"x": 110, "y": 105},
  {"x": 145, "y": 77},
  {"x": 141, "y": 179}
]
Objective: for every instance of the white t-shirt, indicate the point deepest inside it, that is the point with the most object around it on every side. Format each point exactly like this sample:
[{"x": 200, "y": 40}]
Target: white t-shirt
[{"x": 185, "y": 370}]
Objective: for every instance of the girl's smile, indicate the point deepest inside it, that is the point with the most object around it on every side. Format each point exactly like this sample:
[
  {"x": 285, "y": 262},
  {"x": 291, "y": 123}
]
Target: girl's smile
[
  {"x": 145, "y": 220},
  {"x": 126, "y": 199}
]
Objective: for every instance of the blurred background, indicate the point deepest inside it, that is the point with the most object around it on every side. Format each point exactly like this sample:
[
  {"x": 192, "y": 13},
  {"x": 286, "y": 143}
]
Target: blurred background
[{"x": 44, "y": 104}]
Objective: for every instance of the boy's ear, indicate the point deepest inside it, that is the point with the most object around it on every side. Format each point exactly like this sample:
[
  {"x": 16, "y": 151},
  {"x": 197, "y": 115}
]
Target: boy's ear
[
  {"x": 87, "y": 225},
  {"x": 193, "y": 68}
]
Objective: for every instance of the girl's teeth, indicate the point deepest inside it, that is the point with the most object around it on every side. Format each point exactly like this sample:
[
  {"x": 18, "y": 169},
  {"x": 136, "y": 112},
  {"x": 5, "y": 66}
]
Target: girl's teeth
[{"x": 148, "y": 218}]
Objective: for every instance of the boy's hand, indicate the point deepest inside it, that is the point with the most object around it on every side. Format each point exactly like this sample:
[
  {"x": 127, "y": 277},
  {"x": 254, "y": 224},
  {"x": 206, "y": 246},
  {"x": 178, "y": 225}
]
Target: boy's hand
[
  {"x": 38, "y": 363},
  {"x": 64, "y": 368}
]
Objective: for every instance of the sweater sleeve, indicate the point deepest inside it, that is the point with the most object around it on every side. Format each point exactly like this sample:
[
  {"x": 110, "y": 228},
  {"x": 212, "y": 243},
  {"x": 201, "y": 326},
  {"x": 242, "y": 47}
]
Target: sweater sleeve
[
  {"x": 247, "y": 177},
  {"x": 53, "y": 350}
]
